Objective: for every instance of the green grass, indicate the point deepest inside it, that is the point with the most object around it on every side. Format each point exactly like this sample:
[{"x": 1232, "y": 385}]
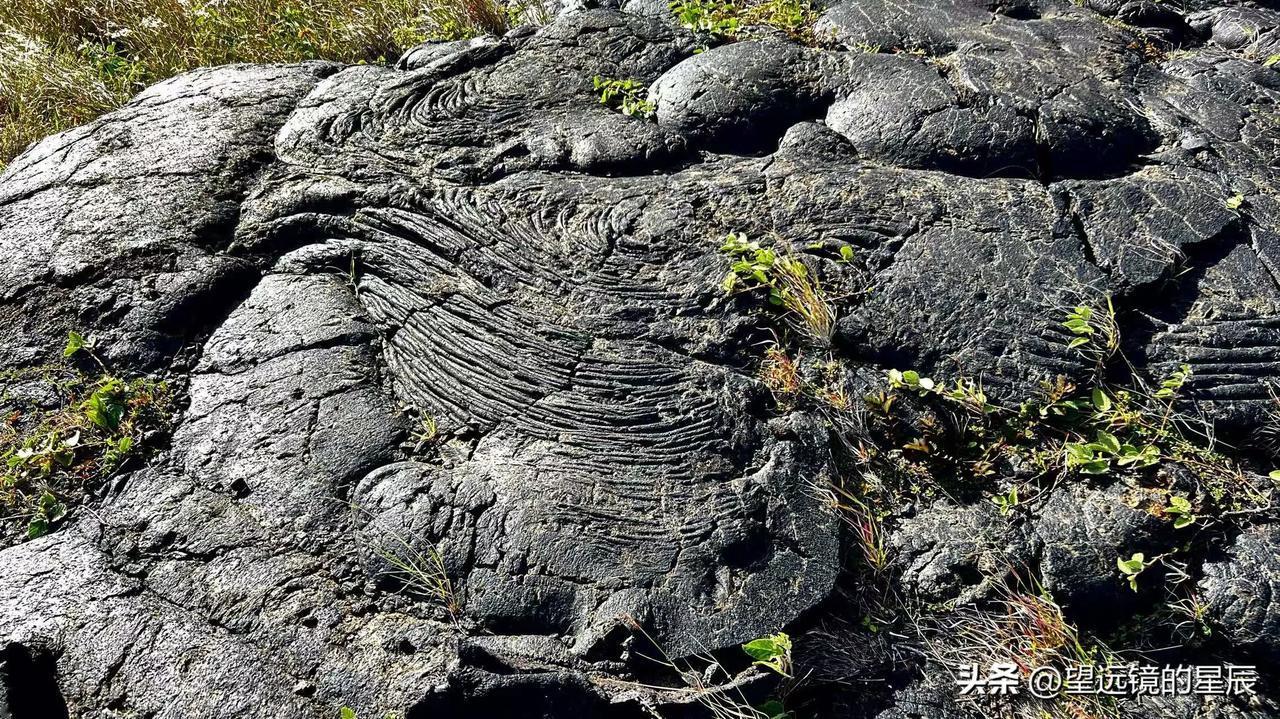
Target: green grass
[{"x": 65, "y": 62}]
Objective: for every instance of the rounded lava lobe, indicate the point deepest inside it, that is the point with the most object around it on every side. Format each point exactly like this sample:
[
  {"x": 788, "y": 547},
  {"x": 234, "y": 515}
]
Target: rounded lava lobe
[
  {"x": 740, "y": 97},
  {"x": 903, "y": 112}
]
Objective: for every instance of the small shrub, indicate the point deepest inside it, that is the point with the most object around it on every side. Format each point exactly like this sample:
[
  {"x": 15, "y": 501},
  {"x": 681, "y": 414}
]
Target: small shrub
[
  {"x": 50, "y": 457},
  {"x": 789, "y": 282},
  {"x": 630, "y": 96},
  {"x": 1098, "y": 456}
]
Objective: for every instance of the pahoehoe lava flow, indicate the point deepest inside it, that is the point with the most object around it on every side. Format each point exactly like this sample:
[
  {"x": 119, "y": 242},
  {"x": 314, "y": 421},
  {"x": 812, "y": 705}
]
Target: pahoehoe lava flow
[{"x": 459, "y": 310}]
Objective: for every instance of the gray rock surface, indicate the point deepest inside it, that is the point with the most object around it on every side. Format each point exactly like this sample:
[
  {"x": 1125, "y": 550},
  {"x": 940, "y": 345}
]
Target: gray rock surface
[{"x": 324, "y": 255}]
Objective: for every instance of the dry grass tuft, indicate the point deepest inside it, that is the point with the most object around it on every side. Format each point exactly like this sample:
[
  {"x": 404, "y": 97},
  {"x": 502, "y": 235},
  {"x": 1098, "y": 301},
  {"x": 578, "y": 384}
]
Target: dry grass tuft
[
  {"x": 64, "y": 62},
  {"x": 421, "y": 571},
  {"x": 1027, "y": 628},
  {"x": 781, "y": 375}
]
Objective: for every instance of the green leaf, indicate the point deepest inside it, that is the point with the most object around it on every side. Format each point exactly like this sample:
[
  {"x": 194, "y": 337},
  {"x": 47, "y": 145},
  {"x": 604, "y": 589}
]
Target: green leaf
[
  {"x": 348, "y": 713},
  {"x": 1097, "y": 466},
  {"x": 846, "y": 253},
  {"x": 1132, "y": 566},
  {"x": 1108, "y": 442},
  {"x": 1179, "y": 505},
  {"x": 75, "y": 343},
  {"x": 774, "y": 710},
  {"x": 773, "y": 652},
  {"x": 103, "y": 410},
  {"x": 38, "y": 527},
  {"x": 1185, "y": 520},
  {"x": 1149, "y": 455},
  {"x": 1079, "y": 453},
  {"x": 763, "y": 649},
  {"x": 1274, "y": 474},
  {"x": 1077, "y": 342},
  {"x": 1234, "y": 202},
  {"x": 1101, "y": 401}
]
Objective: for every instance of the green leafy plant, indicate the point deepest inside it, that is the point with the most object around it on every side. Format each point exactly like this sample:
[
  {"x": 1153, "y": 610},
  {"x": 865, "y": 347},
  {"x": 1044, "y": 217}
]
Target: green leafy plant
[
  {"x": 718, "y": 20},
  {"x": 1007, "y": 502},
  {"x": 1235, "y": 202},
  {"x": 1180, "y": 509},
  {"x": 1132, "y": 568},
  {"x": 1094, "y": 330},
  {"x": 787, "y": 278},
  {"x": 911, "y": 380},
  {"x": 772, "y": 652},
  {"x": 793, "y": 17},
  {"x": 75, "y": 343},
  {"x": 48, "y": 510},
  {"x": 51, "y": 456},
  {"x": 712, "y": 18},
  {"x": 1171, "y": 385},
  {"x": 1098, "y": 456},
  {"x": 629, "y": 96}
]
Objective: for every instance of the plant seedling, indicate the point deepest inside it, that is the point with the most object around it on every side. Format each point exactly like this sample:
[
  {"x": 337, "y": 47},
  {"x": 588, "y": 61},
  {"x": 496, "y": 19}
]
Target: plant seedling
[
  {"x": 629, "y": 96},
  {"x": 1006, "y": 502},
  {"x": 772, "y": 652},
  {"x": 1132, "y": 567},
  {"x": 1180, "y": 509}
]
